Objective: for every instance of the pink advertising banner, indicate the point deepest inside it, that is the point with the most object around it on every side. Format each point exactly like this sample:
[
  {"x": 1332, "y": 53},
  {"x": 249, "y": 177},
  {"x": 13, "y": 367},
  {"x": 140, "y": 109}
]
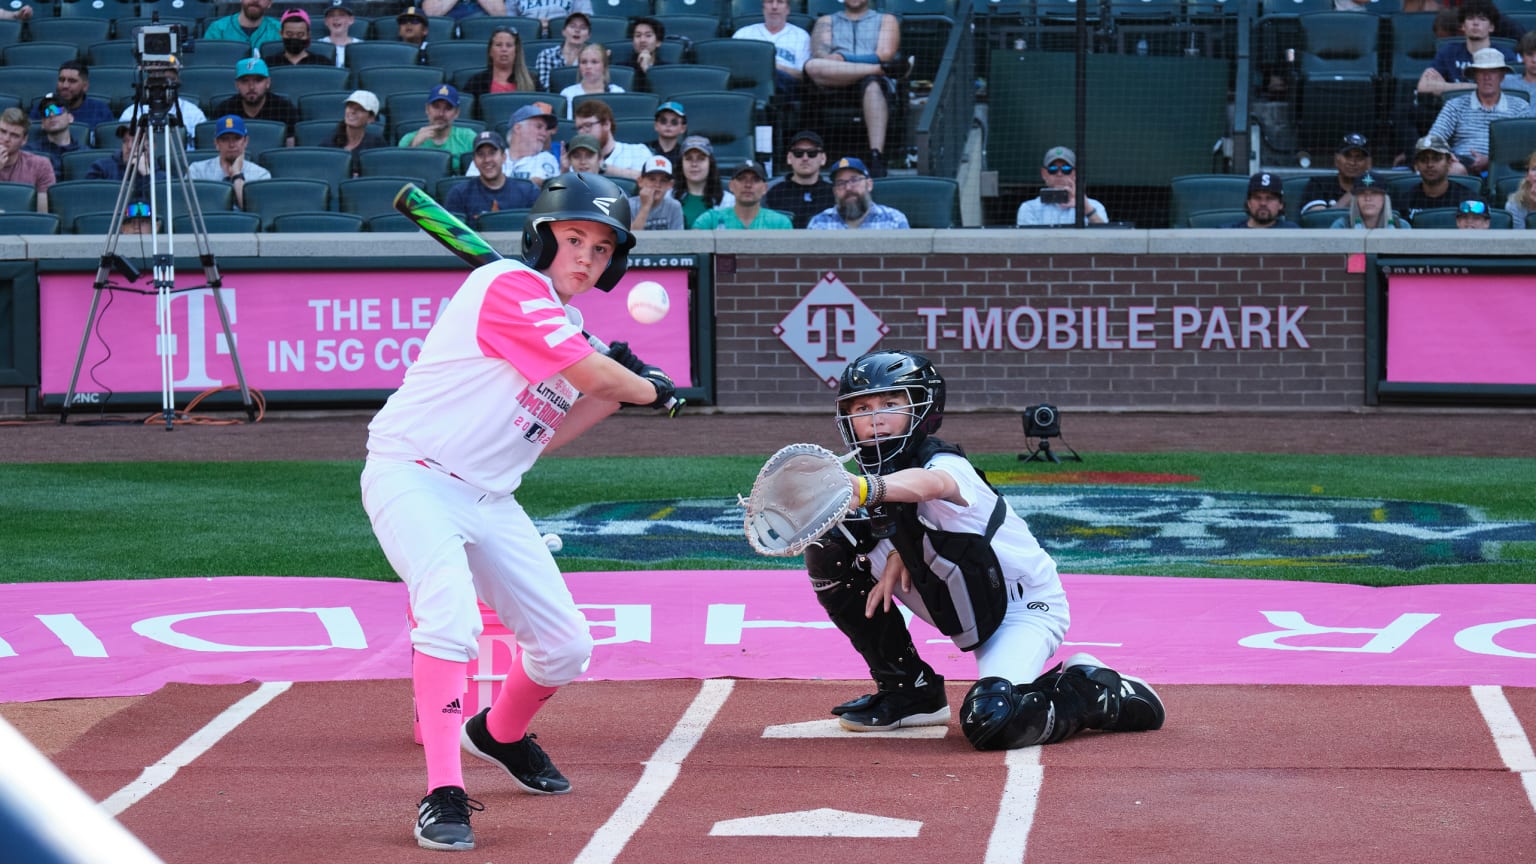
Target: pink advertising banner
[
  {"x": 304, "y": 330},
  {"x": 67, "y": 640},
  {"x": 1461, "y": 329}
]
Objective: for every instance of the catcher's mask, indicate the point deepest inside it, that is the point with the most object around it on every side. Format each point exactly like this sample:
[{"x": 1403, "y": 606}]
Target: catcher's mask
[
  {"x": 581, "y": 197},
  {"x": 884, "y": 371}
]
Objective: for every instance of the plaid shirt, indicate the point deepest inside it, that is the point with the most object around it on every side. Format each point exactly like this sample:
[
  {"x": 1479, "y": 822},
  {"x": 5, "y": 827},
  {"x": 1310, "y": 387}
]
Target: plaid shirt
[
  {"x": 879, "y": 216},
  {"x": 548, "y": 61}
]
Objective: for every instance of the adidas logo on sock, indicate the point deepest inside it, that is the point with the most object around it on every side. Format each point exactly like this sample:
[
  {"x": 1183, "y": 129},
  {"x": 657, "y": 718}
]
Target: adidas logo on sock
[{"x": 454, "y": 707}]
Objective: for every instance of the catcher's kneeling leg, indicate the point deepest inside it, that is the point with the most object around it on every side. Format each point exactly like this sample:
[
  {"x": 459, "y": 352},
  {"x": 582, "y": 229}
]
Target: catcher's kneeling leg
[
  {"x": 1082, "y": 694},
  {"x": 842, "y": 580}
]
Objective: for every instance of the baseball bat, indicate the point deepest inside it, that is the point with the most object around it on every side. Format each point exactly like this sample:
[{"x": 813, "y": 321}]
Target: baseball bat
[{"x": 465, "y": 242}]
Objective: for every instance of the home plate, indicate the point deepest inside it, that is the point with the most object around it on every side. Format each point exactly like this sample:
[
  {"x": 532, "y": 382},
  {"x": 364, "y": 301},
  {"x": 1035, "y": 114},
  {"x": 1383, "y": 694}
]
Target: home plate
[
  {"x": 822, "y": 822},
  {"x": 830, "y": 729}
]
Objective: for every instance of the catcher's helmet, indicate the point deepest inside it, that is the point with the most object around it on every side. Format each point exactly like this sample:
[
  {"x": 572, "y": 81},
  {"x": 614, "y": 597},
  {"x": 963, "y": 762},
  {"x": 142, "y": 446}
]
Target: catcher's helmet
[
  {"x": 582, "y": 197},
  {"x": 881, "y": 371}
]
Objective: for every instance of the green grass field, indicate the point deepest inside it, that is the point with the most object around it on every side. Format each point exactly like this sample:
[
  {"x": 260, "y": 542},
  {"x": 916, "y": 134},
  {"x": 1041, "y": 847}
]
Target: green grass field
[{"x": 68, "y": 522}]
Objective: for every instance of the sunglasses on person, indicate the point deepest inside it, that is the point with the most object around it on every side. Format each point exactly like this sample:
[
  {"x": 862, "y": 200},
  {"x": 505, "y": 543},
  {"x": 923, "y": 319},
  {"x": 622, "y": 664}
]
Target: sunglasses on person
[
  {"x": 1058, "y": 169},
  {"x": 805, "y": 154},
  {"x": 137, "y": 210},
  {"x": 1475, "y": 208},
  {"x": 53, "y": 109}
]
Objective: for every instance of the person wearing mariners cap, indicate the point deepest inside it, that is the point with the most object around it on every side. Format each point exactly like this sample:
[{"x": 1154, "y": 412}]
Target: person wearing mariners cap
[
  {"x": 1059, "y": 171},
  {"x": 671, "y": 125},
  {"x": 653, "y": 206},
  {"x": 255, "y": 99},
  {"x": 1265, "y": 204},
  {"x": 1351, "y": 160},
  {"x": 852, "y": 188},
  {"x": 1464, "y": 120},
  {"x": 440, "y": 133},
  {"x": 1432, "y": 161},
  {"x": 230, "y": 165},
  {"x": 749, "y": 182},
  {"x": 528, "y": 135},
  {"x": 295, "y": 50},
  {"x": 803, "y": 192},
  {"x": 250, "y": 24},
  {"x": 1370, "y": 208},
  {"x": 492, "y": 190},
  {"x": 339, "y": 19}
]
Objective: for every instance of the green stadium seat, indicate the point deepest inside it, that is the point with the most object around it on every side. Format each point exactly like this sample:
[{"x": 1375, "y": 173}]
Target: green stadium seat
[
  {"x": 17, "y": 197},
  {"x": 371, "y": 196},
  {"x": 392, "y": 223},
  {"x": 1194, "y": 193},
  {"x": 316, "y": 222},
  {"x": 28, "y": 223},
  {"x": 39, "y": 54},
  {"x": 1216, "y": 218},
  {"x": 72, "y": 198},
  {"x": 80, "y": 32},
  {"x": 750, "y": 62},
  {"x": 329, "y": 165},
  {"x": 220, "y": 222},
  {"x": 218, "y": 53},
  {"x": 479, "y": 29},
  {"x": 269, "y": 199},
  {"x": 425, "y": 166},
  {"x": 295, "y": 81},
  {"x": 625, "y": 106},
  {"x": 504, "y": 220},
  {"x": 928, "y": 202}
]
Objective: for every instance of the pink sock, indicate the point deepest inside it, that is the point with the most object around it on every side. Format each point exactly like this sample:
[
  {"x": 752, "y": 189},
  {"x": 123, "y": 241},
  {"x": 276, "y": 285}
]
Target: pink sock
[
  {"x": 519, "y": 700},
  {"x": 439, "y": 688}
]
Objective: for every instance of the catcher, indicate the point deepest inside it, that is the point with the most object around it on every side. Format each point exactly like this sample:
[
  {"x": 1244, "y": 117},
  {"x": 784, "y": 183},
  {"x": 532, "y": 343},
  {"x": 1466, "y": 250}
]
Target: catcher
[{"x": 942, "y": 540}]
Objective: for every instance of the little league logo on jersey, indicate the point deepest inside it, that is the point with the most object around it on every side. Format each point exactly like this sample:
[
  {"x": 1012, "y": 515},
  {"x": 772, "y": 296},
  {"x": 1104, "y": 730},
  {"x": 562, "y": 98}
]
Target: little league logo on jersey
[{"x": 829, "y": 327}]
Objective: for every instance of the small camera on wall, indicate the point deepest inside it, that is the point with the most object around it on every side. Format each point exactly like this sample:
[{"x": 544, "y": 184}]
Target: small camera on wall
[{"x": 1043, "y": 422}]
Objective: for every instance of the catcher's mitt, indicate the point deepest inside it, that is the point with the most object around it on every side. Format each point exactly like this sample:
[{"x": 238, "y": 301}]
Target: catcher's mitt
[{"x": 801, "y": 493}]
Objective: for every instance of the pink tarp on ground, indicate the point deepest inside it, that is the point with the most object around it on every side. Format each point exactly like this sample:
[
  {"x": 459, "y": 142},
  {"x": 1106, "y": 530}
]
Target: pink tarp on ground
[{"x": 120, "y": 638}]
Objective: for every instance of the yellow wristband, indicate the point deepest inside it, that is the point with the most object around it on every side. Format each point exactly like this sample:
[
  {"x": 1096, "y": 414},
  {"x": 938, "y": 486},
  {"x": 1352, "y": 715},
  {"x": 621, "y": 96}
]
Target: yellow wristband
[{"x": 863, "y": 489}]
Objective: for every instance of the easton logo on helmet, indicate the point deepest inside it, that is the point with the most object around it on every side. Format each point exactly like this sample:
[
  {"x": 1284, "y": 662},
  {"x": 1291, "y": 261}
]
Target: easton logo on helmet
[{"x": 603, "y": 204}]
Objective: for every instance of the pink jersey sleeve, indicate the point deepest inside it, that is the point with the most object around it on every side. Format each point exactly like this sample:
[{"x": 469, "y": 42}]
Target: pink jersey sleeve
[{"x": 523, "y": 323}]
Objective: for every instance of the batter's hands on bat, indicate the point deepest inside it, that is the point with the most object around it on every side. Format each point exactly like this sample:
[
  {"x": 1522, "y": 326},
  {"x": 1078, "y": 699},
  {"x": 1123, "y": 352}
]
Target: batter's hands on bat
[
  {"x": 619, "y": 353},
  {"x": 666, "y": 391},
  {"x": 895, "y": 574}
]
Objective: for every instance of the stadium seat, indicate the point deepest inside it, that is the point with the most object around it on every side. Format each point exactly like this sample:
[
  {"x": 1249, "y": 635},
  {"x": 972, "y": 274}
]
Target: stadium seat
[
  {"x": 39, "y": 53},
  {"x": 1510, "y": 146},
  {"x": 72, "y": 198},
  {"x": 218, "y": 53},
  {"x": 713, "y": 8},
  {"x": 268, "y": 199},
  {"x": 424, "y": 166},
  {"x": 371, "y": 196},
  {"x": 323, "y": 105},
  {"x": 1216, "y": 218},
  {"x": 625, "y": 106},
  {"x": 203, "y": 84},
  {"x": 316, "y": 222},
  {"x": 114, "y": 84},
  {"x": 479, "y": 29},
  {"x": 318, "y": 133},
  {"x": 457, "y": 54},
  {"x": 213, "y": 196},
  {"x": 720, "y": 117},
  {"x": 565, "y": 76},
  {"x": 220, "y": 222},
  {"x": 80, "y": 32},
  {"x": 17, "y": 197},
  {"x": 10, "y": 32},
  {"x": 1193, "y": 193},
  {"x": 621, "y": 8},
  {"x": 330, "y": 165},
  {"x": 605, "y": 30},
  {"x": 505, "y": 220},
  {"x": 387, "y": 81},
  {"x": 445, "y": 185},
  {"x": 28, "y": 223},
  {"x": 117, "y": 52},
  {"x": 295, "y": 81},
  {"x": 1338, "y": 67},
  {"x": 74, "y": 164},
  {"x": 392, "y": 223},
  {"x": 1320, "y": 218},
  {"x": 691, "y": 28},
  {"x": 639, "y": 129},
  {"x": 93, "y": 223},
  {"x": 29, "y": 82},
  {"x": 496, "y": 109},
  {"x": 396, "y": 55},
  {"x": 1445, "y": 217},
  {"x": 750, "y": 63},
  {"x": 928, "y": 202}
]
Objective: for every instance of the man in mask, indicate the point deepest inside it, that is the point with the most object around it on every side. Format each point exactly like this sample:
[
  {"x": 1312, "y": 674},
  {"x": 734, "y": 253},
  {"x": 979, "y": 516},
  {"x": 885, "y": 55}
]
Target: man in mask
[{"x": 295, "y": 29}]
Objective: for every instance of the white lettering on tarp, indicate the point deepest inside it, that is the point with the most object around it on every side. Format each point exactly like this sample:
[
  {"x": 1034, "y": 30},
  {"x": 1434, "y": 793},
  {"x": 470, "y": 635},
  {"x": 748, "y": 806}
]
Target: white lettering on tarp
[
  {"x": 1480, "y": 639},
  {"x": 1112, "y": 328},
  {"x": 631, "y": 622},
  {"x": 1384, "y": 640},
  {"x": 726, "y": 622},
  {"x": 340, "y": 623},
  {"x": 77, "y": 637}
]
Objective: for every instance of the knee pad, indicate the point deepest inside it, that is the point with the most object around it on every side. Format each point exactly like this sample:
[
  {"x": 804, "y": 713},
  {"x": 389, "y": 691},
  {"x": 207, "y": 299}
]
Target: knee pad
[
  {"x": 833, "y": 563},
  {"x": 999, "y": 716},
  {"x": 560, "y": 664}
]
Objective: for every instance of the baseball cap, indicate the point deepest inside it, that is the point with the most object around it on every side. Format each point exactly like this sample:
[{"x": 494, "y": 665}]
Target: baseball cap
[
  {"x": 674, "y": 107},
  {"x": 49, "y": 99},
  {"x": 657, "y": 165},
  {"x": 1354, "y": 141},
  {"x": 295, "y": 13},
  {"x": 849, "y": 163},
  {"x": 410, "y": 13},
  {"x": 488, "y": 137},
  {"x": 339, "y": 6},
  {"x": 123, "y": 130},
  {"x": 534, "y": 109},
  {"x": 752, "y": 166},
  {"x": 700, "y": 143},
  {"x": 1265, "y": 182},
  {"x": 1489, "y": 58},
  {"x": 252, "y": 66},
  {"x": 365, "y": 100},
  {"x": 1368, "y": 182},
  {"x": 229, "y": 124},
  {"x": 582, "y": 15},
  {"x": 1059, "y": 154},
  {"x": 807, "y": 135},
  {"x": 585, "y": 142},
  {"x": 444, "y": 93},
  {"x": 1431, "y": 143}
]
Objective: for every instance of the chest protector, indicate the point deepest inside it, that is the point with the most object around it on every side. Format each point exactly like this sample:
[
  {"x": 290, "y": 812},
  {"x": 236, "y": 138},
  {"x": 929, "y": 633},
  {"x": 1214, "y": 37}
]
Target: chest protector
[{"x": 963, "y": 587}]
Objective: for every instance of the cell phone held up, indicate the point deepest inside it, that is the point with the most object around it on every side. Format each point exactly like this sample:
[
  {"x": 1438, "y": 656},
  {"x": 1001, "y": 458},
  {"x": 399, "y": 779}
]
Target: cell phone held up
[{"x": 1055, "y": 196}]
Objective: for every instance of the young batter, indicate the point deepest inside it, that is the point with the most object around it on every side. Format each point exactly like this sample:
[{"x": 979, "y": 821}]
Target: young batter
[
  {"x": 504, "y": 374},
  {"x": 955, "y": 553}
]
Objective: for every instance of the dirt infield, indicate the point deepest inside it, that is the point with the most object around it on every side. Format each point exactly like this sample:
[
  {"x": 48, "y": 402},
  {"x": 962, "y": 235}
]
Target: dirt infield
[{"x": 634, "y": 433}]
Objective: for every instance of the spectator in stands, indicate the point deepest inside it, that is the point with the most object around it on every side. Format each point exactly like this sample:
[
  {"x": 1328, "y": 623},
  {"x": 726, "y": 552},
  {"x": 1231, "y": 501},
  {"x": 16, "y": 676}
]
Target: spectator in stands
[
  {"x": 1352, "y": 160},
  {"x": 256, "y": 101},
  {"x": 115, "y": 167},
  {"x": 187, "y": 111},
  {"x": 671, "y": 126},
  {"x": 19, "y": 166},
  {"x": 354, "y": 131},
  {"x": 1370, "y": 207},
  {"x": 492, "y": 191},
  {"x": 56, "y": 139},
  {"x": 803, "y": 192},
  {"x": 1432, "y": 159},
  {"x": 791, "y": 48},
  {"x": 1447, "y": 73},
  {"x": 72, "y": 91},
  {"x": 1473, "y": 214},
  {"x": 230, "y": 165},
  {"x": 440, "y": 133},
  {"x": 1059, "y": 171},
  {"x": 1420, "y": 6},
  {"x": 528, "y": 136},
  {"x": 411, "y": 27},
  {"x": 593, "y": 65},
  {"x": 749, "y": 181},
  {"x": 698, "y": 188},
  {"x": 1522, "y": 202},
  {"x": 855, "y": 54},
  {"x": 338, "y": 25},
  {"x": 250, "y": 24},
  {"x": 505, "y": 70},
  {"x": 137, "y": 219},
  {"x": 595, "y": 118},
  {"x": 461, "y": 9},
  {"x": 1265, "y": 204},
  {"x": 855, "y": 207},
  {"x": 1526, "y": 80},
  {"x": 645, "y": 37},
  {"x": 582, "y": 153},
  {"x": 545, "y": 11},
  {"x": 576, "y": 32},
  {"x": 22, "y": 14},
  {"x": 295, "y": 30},
  {"x": 653, "y": 206},
  {"x": 1463, "y": 122}
]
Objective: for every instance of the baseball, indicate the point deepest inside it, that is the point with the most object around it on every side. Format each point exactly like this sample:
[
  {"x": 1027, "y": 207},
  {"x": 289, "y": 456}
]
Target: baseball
[
  {"x": 648, "y": 302},
  {"x": 553, "y": 543}
]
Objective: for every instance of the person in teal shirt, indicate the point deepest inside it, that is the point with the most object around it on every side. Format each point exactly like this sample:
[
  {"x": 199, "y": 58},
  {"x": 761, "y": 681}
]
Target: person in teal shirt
[
  {"x": 250, "y": 24},
  {"x": 749, "y": 183},
  {"x": 440, "y": 133}
]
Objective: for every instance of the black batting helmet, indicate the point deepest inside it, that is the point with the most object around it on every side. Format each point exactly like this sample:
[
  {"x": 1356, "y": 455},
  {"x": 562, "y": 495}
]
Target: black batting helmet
[
  {"x": 582, "y": 197},
  {"x": 882, "y": 371}
]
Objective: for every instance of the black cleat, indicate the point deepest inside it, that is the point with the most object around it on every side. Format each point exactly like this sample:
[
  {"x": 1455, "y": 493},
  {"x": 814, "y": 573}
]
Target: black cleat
[
  {"x": 442, "y": 820},
  {"x": 1129, "y": 704},
  {"x": 893, "y": 709},
  {"x": 525, "y": 760},
  {"x": 859, "y": 703}
]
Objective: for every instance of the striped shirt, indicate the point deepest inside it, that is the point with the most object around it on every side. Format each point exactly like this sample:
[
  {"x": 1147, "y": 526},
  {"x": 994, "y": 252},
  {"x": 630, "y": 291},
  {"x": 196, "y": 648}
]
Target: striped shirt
[{"x": 1464, "y": 121}]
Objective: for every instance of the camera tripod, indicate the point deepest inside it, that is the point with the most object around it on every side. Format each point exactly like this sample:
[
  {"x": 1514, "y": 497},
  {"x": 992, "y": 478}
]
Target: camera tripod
[
  {"x": 1045, "y": 454},
  {"x": 150, "y": 123}
]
